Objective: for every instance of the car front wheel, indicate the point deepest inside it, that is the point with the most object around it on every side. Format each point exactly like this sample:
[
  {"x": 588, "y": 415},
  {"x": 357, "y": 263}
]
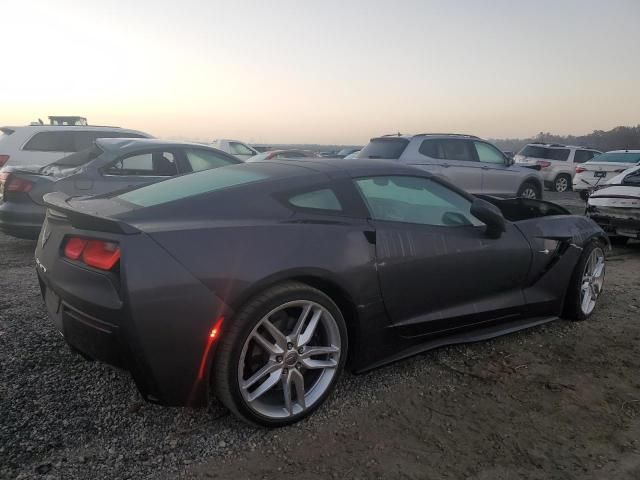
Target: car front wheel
[
  {"x": 281, "y": 355},
  {"x": 587, "y": 283}
]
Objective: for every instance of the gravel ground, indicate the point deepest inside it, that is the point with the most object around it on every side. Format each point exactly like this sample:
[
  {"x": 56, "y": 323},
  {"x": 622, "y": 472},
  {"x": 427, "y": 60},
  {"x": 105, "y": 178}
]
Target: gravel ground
[{"x": 559, "y": 401}]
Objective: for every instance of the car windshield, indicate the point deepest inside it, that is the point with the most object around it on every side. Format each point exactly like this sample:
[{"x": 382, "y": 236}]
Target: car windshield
[
  {"x": 617, "y": 157},
  {"x": 632, "y": 179},
  {"x": 384, "y": 148},
  {"x": 69, "y": 164},
  {"x": 260, "y": 156},
  {"x": 546, "y": 153}
]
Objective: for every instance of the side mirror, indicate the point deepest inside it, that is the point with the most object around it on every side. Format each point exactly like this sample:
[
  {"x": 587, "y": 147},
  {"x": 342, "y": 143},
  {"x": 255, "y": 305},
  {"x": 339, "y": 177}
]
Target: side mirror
[
  {"x": 508, "y": 161},
  {"x": 490, "y": 215}
]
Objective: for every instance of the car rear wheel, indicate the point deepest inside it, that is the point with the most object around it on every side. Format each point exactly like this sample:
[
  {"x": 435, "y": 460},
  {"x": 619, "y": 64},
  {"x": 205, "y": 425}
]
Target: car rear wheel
[
  {"x": 587, "y": 283},
  {"x": 281, "y": 356},
  {"x": 529, "y": 190},
  {"x": 562, "y": 183}
]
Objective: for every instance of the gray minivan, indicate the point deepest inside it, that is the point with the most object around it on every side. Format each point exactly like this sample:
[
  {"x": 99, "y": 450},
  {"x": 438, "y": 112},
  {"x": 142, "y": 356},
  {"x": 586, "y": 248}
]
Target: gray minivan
[{"x": 468, "y": 162}]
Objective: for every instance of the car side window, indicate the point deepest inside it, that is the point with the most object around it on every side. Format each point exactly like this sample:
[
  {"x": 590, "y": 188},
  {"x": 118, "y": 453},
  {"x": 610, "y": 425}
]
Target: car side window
[
  {"x": 431, "y": 148},
  {"x": 417, "y": 200},
  {"x": 323, "y": 199},
  {"x": 200, "y": 159},
  {"x": 582, "y": 156},
  {"x": 149, "y": 164},
  {"x": 488, "y": 153},
  {"x": 51, "y": 142},
  {"x": 239, "y": 149},
  {"x": 561, "y": 154},
  {"x": 455, "y": 149}
]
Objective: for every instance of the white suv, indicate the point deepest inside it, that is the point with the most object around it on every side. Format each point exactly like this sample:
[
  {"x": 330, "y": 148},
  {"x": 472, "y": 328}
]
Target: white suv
[
  {"x": 236, "y": 148},
  {"x": 557, "y": 163},
  {"x": 44, "y": 144}
]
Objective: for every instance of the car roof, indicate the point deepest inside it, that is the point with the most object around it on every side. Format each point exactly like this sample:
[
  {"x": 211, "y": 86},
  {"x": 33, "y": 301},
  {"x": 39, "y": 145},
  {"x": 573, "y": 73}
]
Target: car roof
[
  {"x": 623, "y": 151},
  {"x": 351, "y": 167},
  {"x": 435, "y": 135},
  {"x": 123, "y": 143},
  {"x": 559, "y": 145}
]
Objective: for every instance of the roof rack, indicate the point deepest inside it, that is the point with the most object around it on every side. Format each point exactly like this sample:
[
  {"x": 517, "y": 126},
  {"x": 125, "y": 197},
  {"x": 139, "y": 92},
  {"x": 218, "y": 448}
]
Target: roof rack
[{"x": 463, "y": 135}]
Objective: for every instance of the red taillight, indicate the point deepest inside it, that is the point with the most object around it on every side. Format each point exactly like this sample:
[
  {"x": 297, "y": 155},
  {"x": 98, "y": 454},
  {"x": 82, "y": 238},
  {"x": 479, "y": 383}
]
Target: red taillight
[
  {"x": 95, "y": 253},
  {"x": 13, "y": 184},
  {"x": 543, "y": 163},
  {"x": 74, "y": 247},
  {"x": 3, "y": 159},
  {"x": 580, "y": 169}
]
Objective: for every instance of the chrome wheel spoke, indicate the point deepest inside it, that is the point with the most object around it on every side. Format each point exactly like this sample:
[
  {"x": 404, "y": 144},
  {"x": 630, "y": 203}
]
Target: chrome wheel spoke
[
  {"x": 297, "y": 330},
  {"x": 278, "y": 336},
  {"x": 312, "y": 364},
  {"x": 267, "y": 345},
  {"x": 260, "y": 374},
  {"x": 308, "y": 332},
  {"x": 286, "y": 392},
  {"x": 313, "y": 351},
  {"x": 298, "y": 381},
  {"x": 267, "y": 385}
]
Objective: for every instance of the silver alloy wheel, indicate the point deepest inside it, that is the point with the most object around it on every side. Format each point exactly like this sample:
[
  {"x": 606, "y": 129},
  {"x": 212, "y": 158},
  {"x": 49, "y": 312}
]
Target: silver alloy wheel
[
  {"x": 562, "y": 184},
  {"x": 289, "y": 359},
  {"x": 592, "y": 280},
  {"x": 529, "y": 192}
]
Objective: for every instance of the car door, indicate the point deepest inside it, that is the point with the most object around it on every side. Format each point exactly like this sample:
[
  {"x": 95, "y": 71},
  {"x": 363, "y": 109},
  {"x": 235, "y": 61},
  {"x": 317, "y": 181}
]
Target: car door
[
  {"x": 133, "y": 170},
  {"x": 456, "y": 161},
  {"x": 437, "y": 269},
  {"x": 498, "y": 176}
]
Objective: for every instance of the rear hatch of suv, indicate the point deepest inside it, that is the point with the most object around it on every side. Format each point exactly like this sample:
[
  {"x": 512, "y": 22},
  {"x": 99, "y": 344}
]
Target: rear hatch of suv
[
  {"x": 542, "y": 155},
  {"x": 384, "y": 147}
]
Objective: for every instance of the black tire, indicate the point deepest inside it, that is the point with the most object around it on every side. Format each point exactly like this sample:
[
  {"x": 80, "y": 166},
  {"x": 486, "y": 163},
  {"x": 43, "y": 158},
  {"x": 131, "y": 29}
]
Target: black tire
[
  {"x": 237, "y": 330},
  {"x": 562, "y": 183},
  {"x": 572, "y": 308},
  {"x": 529, "y": 187},
  {"x": 618, "y": 240}
]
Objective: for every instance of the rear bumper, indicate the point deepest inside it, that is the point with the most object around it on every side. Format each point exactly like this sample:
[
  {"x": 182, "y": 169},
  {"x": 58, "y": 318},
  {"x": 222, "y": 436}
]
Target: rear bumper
[
  {"x": 153, "y": 319},
  {"x": 618, "y": 226},
  {"x": 21, "y": 220}
]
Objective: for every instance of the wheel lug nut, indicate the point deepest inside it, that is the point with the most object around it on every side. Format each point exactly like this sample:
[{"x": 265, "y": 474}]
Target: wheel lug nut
[
  {"x": 289, "y": 345},
  {"x": 278, "y": 359},
  {"x": 300, "y": 350},
  {"x": 285, "y": 371},
  {"x": 298, "y": 365}
]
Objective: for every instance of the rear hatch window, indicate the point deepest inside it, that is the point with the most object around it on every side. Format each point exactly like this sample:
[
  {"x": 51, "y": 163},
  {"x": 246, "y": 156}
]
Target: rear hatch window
[
  {"x": 390, "y": 148},
  {"x": 205, "y": 181},
  {"x": 71, "y": 163},
  {"x": 617, "y": 157},
  {"x": 545, "y": 153}
]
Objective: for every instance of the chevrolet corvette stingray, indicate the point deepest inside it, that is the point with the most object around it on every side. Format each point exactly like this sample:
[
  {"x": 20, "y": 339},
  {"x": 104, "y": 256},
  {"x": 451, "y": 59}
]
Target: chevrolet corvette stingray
[{"x": 260, "y": 283}]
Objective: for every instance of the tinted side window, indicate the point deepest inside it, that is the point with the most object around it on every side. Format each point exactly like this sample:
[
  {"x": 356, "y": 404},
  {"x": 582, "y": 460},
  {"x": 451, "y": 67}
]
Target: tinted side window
[
  {"x": 239, "y": 149},
  {"x": 414, "y": 200},
  {"x": 51, "y": 142},
  {"x": 558, "y": 154},
  {"x": 582, "y": 156},
  {"x": 200, "y": 159},
  {"x": 155, "y": 164},
  {"x": 323, "y": 199},
  {"x": 431, "y": 148},
  {"x": 456, "y": 150},
  {"x": 488, "y": 153}
]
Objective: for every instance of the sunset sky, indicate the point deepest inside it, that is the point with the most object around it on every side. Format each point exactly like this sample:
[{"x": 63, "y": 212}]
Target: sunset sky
[{"x": 330, "y": 71}]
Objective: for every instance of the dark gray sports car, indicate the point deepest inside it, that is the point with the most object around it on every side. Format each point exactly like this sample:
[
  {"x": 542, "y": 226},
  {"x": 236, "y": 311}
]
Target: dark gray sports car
[{"x": 260, "y": 282}]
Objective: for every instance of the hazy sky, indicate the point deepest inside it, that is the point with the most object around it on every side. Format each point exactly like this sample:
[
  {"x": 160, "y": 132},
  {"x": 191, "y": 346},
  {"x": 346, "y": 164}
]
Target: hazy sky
[{"x": 326, "y": 71}]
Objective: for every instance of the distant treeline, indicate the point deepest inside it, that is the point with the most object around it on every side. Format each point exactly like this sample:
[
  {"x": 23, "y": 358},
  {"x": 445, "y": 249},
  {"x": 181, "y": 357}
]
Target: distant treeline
[{"x": 619, "y": 138}]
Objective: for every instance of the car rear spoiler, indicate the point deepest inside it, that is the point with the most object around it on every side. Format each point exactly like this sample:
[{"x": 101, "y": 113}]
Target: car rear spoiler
[{"x": 59, "y": 207}]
